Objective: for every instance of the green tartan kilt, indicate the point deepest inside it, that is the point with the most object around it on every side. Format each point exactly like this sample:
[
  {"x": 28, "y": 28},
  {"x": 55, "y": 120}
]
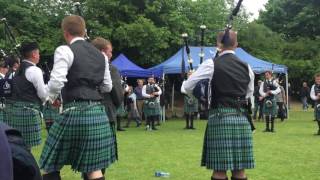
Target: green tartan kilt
[
  {"x": 151, "y": 111},
  {"x": 83, "y": 138},
  {"x": 25, "y": 117},
  {"x": 50, "y": 114},
  {"x": 227, "y": 141},
  {"x": 317, "y": 111},
  {"x": 190, "y": 108},
  {"x": 270, "y": 111},
  {"x": 121, "y": 111}
]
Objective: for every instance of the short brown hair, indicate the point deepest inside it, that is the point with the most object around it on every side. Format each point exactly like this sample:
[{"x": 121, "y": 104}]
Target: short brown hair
[
  {"x": 317, "y": 75},
  {"x": 75, "y": 25},
  {"x": 230, "y": 42},
  {"x": 100, "y": 43}
]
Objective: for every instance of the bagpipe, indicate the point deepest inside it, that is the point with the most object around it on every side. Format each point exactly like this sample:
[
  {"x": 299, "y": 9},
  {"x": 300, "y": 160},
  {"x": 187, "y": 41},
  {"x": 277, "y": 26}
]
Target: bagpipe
[
  {"x": 6, "y": 83},
  {"x": 79, "y": 11},
  {"x": 201, "y": 90}
]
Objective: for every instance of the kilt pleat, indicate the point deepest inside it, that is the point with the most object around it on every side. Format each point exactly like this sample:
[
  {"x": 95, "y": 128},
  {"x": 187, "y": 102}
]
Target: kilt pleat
[
  {"x": 83, "y": 138},
  {"x": 50, "y": 114},
  {"x": 26, "y": 118},
  {"x": 270, "y": 111},
  {"x": 151, "y": 110},
  {"x": 227, "y": 141},
  {"x": 190, "y": 107}
]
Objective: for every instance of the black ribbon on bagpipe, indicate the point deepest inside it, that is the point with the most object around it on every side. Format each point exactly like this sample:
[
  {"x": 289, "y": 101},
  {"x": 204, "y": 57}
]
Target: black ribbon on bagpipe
[
  {"x": 201, "y": 90},
  {"x": 203, "y": 28},
  {"x": 77, "y": 5},
  {"x": 12, "y": 40},
  {"x": 186, "y": 43}
]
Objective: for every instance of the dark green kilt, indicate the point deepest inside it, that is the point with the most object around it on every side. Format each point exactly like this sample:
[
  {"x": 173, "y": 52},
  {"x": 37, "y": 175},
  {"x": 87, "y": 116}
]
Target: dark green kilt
[
  {"x": 50, "y": 114},
  {"x": 150, "y": 109},
  {"x": 227, "y": 141},
  {"x": 121, "y": 111},
  {"x": 270, "y": 111},
  {"x": 317, "y": 111},
  {"x": 190, "y": 105},
  {"x": 83, "y": 139},
  {"x": 25, "y": 117}
]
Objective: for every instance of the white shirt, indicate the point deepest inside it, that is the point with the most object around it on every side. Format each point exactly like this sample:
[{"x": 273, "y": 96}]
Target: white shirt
[
  {"x": 274, "y": 92},
  {"x": 34, "y": 75},
  {"x": 63, "y": 60},
  {"x": 2, "y": 76},
  {"x": 106, "y": 86},
  {"x": 206, "y": 70},
  {"x": 312, "y": 94},
  {"x": 144, "y": 91},
  {"x": 134, "y": 100}
]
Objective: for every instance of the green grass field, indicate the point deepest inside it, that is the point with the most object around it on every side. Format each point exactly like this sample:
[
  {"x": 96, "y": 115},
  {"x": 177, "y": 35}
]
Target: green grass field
[{"x": 293, "y": 152}]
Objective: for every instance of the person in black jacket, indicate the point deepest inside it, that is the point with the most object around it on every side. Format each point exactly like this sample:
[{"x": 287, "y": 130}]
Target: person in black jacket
[
  {"x": 258, "y": 104},
  {"x": 112, "y": 100}
]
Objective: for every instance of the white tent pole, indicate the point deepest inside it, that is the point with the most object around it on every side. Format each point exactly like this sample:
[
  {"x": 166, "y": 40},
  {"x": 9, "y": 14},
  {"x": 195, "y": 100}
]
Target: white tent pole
[
  {"x": 287, "y": 90},
  {"x": 172, "y": 98},
  {"x": 164, "y": 107}
]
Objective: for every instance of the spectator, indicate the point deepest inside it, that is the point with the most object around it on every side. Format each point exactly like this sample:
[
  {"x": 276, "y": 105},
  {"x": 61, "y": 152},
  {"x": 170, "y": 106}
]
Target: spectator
[
  {"x": 304, "y": 94},
  {"x": 140, "y": 99}
]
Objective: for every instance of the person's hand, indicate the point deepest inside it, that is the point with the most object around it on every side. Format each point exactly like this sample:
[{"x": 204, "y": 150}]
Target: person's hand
[
  {"x": 56, "y": 103},
  {"x": 151, "y": 95},
  {"x": 260, "y": 98}
]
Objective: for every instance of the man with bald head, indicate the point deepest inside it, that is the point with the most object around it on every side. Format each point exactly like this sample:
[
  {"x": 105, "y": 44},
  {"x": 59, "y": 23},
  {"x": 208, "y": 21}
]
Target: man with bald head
[{"x": 232, "y": 83}]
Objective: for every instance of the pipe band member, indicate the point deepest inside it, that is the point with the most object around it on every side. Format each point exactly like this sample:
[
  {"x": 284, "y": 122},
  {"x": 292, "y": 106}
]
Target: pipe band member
[
  {"x": 83, "y": 137},
  {"x": 269, "y": 88},
  {"x": 232, "y": 83},
  {"x": 315, "y": 96},
  {"x": 151, "y": 105}
]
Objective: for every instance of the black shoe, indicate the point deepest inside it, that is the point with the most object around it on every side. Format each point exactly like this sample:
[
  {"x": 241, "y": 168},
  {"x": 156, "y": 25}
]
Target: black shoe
[
  {"x": 267, "y": 130},
  {"x": 120, "y": 129},
  {"x": 273, "y": 131},
  {"x": 154, "y": 128},
  {"x": 192, "y": 128}
]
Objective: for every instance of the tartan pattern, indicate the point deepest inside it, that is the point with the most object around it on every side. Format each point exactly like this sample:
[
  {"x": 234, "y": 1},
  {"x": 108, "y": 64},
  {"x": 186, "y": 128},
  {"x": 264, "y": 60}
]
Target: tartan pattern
[
  {"x": 190, "y": 108},
  {"x": 228, "y": 141},
  {"x": 272, "y": 111},
  {"x": 151, "y": 111},
  {"x": 121, "y": 111},
  {"x": 25, "y": 117},
  {"x": 50, "y": 114},
  {"x": 317, "y": 111},
  {"x": 83, "y": 139}
]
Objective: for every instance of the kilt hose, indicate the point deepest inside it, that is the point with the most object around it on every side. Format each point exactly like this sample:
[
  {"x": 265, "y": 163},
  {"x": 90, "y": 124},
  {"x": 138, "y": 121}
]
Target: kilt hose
[
  {"x": 50, "y": 114},
  {"x": 227, "y": 141},
  {"x": 190, "y": 105},
  {"x": 270, "y": 111},
  {"x": 25, "y": 117},
  {"x": 82, "y": 138}
]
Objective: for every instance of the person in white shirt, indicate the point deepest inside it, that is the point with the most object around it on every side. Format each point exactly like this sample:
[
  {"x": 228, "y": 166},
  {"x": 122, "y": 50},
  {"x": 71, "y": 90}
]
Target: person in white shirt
[
  {"x": 3, "y": 71},
  {"x": 28, "y": 94},
  {"x": 133, "y": 113},
  {"x": 83, "y": 137},
  {"x": 315, "y": 96},
  {"x": 269, "y": 88},
  {"x": 190, "y": 107},
  {"x": 231, "y": 84},
  {"x": 151, "y": 105}
]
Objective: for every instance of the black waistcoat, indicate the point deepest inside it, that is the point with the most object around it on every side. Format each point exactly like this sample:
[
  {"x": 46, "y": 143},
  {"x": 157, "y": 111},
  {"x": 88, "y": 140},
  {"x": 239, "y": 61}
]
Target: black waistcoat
[
  {"x": 86, "y": 73},
  {"x": 230, "y": 79},
  {"x": 22, "y": 89}
]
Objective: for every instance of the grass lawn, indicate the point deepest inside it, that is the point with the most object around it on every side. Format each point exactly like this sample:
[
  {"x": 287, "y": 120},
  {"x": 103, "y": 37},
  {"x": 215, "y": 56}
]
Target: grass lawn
[{"x": 293, "y": 152}]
